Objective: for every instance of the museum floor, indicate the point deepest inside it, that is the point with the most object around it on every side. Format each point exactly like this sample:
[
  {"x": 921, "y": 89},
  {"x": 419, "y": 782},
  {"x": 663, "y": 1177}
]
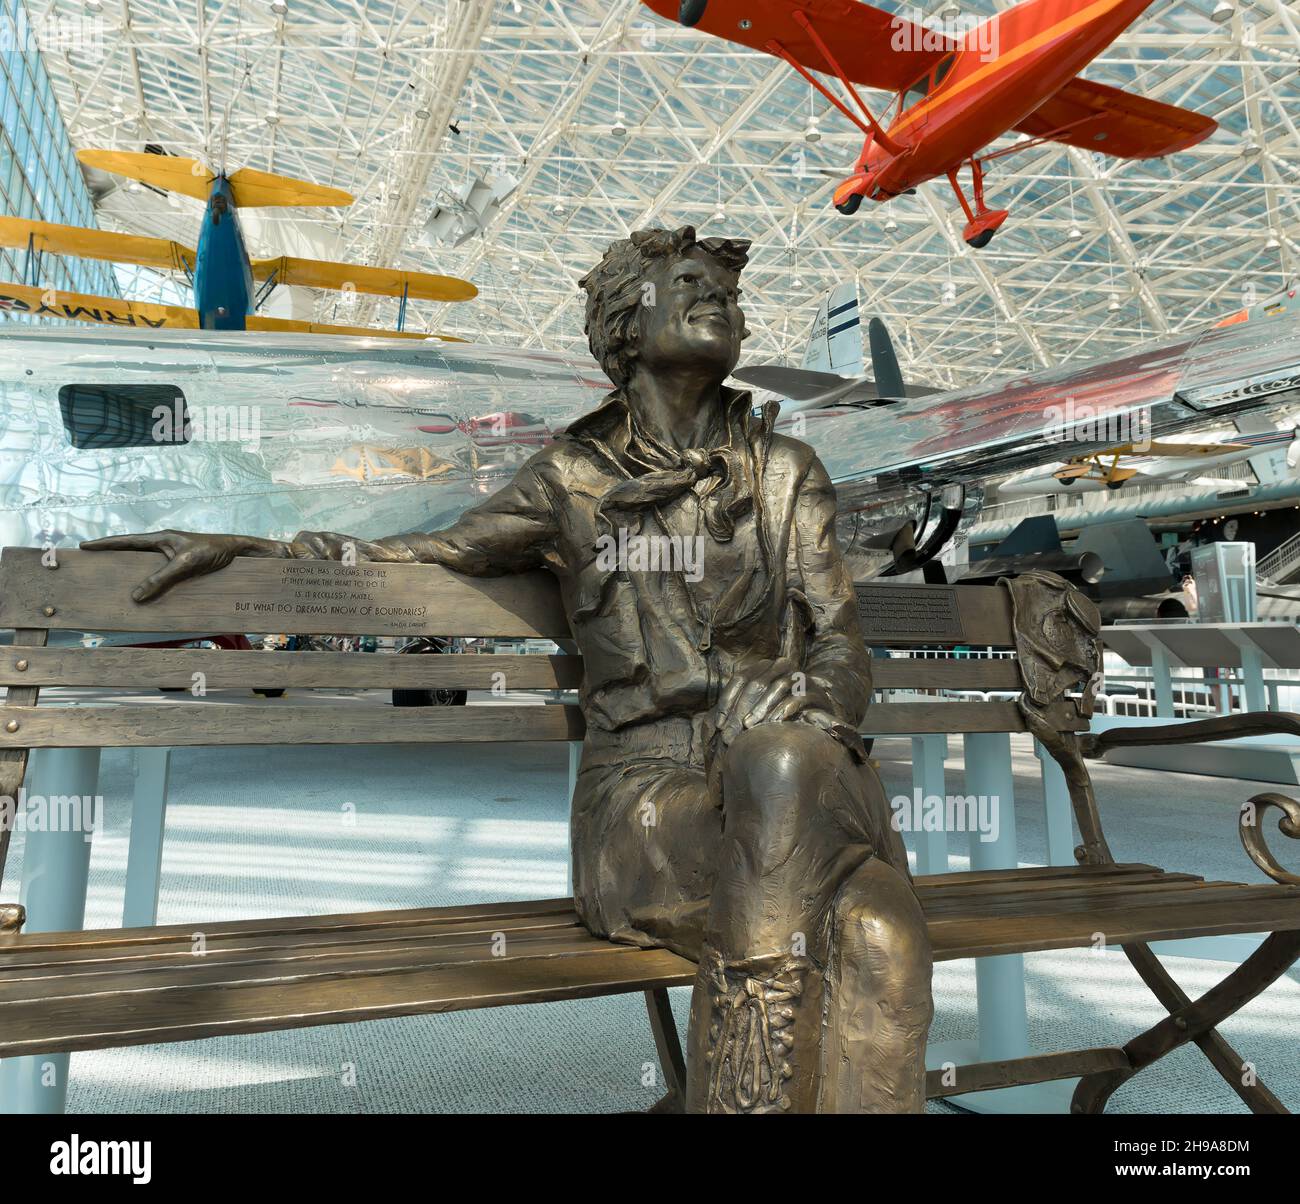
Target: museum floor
[{"x": 266, "y": 831}]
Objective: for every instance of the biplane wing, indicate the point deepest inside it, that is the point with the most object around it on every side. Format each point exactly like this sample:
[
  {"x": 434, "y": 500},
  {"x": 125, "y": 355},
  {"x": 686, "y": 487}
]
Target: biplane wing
[
  {"x": 874, "y": 48},
  {"x": 108, "y": 311},
  {"x": 114, "y": 311},
  {"x": 96, "y": 244},
  {"x": 251, "y": 189},
  {"x": 297, "y": 326},
  {"x": 379, "y": 282},
  {"x": 1096, "y": 117},
  {"x": 1190, "y": 451}
]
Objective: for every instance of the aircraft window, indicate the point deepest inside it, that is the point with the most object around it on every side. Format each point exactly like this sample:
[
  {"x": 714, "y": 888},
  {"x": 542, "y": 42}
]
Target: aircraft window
[
  {"x": 916, "y": 92},
  {"x": 124, "y": 415},
  {"x": 941, "y": 70}
]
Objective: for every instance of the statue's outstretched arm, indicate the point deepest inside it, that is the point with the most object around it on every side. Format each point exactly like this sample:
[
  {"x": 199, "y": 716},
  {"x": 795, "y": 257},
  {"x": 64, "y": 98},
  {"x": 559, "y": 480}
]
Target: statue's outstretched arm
[{"x": 508, "y": 533}]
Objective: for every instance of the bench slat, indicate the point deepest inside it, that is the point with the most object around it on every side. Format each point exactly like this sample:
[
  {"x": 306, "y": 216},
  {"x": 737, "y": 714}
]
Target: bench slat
[
  {"x": 921, "y": 718},
  {"x": 276, "y": 966},
  {"x": 181, "y": 1013},
  {"x": 144, "y": 668},
  {"x": 88, "y": 942},
  {"x": 91, "y": 591},
  {"x": 175, "y": 722},
  {"x": 923, "y": 673},
  {"x": 1103, "y": 899},
  {"x": 1179, "y": 916},
  {"x": 127, "y": 988},
  {"x": 1016, "y": 877},
  {"x": 236, "y": 948}
]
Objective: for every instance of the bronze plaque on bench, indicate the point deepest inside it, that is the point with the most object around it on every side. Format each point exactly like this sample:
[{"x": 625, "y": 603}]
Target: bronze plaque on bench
[
  {"x": 91, "y": 591},
  {"x": 927, "y": 613}
]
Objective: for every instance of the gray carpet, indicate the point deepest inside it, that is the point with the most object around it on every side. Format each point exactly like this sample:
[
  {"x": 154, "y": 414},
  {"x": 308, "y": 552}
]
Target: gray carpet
[{"x": 270, "y": 831}]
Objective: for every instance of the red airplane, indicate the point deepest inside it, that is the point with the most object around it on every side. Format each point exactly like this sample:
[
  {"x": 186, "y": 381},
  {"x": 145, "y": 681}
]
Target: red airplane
[{"x": 1017, "y": 71}]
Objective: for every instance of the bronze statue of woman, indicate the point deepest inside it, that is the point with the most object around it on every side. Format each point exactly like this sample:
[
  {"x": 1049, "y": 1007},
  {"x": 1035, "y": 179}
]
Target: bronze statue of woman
[{"x": 725, "y": 807}]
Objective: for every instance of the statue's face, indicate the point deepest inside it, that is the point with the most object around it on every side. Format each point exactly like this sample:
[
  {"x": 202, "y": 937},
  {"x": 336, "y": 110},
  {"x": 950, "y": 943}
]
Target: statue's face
[{"x": 692, "y": 318}]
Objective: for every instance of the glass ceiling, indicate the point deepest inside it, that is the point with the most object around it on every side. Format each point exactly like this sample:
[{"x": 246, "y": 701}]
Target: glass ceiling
[{"x": 361, "y": 94}]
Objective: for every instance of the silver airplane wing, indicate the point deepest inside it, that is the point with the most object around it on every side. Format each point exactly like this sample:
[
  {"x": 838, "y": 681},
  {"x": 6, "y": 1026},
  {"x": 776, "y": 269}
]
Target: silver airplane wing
[
  {"x": 994, "y": 429},
  {"x": 273, "y": 434}
]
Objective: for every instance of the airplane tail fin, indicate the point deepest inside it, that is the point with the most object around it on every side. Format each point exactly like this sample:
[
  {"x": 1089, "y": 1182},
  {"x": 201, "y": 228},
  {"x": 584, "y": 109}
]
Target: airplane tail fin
[
  {"x": 835, "y": 339},
  {"x": 250, "y": 188},
  {"x": 189, "y": 177}
]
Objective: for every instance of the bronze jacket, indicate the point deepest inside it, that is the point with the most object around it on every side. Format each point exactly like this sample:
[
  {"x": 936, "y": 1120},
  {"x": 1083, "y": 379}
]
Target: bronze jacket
[{"x": 653, "y": 644}]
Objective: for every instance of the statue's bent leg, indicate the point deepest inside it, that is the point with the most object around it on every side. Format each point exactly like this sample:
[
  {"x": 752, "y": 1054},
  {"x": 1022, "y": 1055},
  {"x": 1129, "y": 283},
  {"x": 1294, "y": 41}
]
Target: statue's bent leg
[
  {"x": 799, "y": 823},
  {"x": 878, "y": 1002}
]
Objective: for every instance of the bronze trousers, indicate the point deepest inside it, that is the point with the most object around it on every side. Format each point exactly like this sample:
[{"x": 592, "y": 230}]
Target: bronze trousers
[{"x": 785, "y": 883}]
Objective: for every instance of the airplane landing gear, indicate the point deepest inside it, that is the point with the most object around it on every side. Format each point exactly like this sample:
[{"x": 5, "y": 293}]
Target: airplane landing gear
[
  {"x": 850, "y": 203},
  {"x": 691, "y": 11},
  {"x": 981, "y": 222}
]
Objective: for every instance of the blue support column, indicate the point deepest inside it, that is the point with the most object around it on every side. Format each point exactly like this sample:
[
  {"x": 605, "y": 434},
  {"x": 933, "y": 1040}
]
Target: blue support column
[
  {"x": 1059, "y": 813},
  {"x": 148, "y": 822},
  {"x": 1164, "y": 686},
  {"x": 1252, "y": 674},
  {"x": 55, "y": 869},
  {"x": 928, "y": 753},
  {"x": 999, "y": 981}
]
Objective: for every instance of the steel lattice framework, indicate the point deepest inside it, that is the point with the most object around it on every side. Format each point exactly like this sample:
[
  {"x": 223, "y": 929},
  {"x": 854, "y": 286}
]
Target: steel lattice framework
[{"x": 361, "y": 94}]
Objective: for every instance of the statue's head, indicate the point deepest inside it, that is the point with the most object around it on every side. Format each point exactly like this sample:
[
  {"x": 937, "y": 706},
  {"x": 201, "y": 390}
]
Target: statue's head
[{"x": 663, "y": 299}]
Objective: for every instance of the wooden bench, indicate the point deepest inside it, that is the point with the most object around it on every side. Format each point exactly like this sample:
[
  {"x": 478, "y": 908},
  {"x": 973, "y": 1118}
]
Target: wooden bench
[{"x": 80, "y": 990}]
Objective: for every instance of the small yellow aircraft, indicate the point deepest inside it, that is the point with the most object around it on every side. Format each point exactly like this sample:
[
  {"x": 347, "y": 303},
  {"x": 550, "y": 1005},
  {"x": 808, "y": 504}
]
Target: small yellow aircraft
[{"x": 220, "y": 270}]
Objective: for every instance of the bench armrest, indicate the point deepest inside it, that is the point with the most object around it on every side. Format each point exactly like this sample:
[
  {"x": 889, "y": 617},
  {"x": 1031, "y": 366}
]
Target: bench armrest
[
  {"x": 1249, "y": 826},
  {"x": 1223, "y": 727}
]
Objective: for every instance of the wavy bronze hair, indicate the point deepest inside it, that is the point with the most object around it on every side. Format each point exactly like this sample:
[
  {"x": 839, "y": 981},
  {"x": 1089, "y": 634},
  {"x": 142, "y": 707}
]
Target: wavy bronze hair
[{"x": 615, "y": 287}]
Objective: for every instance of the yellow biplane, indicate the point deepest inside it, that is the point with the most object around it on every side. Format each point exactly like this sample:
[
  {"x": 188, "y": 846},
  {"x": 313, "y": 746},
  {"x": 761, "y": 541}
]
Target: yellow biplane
[{"x": 229, "y": 286}]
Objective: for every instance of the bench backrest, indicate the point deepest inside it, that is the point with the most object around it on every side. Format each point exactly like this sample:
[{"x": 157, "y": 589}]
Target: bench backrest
[{"x": 91, "y": 592}]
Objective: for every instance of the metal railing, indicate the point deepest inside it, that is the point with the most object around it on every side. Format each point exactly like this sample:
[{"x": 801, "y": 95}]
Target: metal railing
[{"x": 1280, "y": 561}]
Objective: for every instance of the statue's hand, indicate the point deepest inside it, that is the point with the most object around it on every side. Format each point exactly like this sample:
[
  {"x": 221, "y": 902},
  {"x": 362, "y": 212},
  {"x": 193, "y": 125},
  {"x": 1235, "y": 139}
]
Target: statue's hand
[
  {"x": 189, "y": 554},
  {"x": 770, "y": 692}
]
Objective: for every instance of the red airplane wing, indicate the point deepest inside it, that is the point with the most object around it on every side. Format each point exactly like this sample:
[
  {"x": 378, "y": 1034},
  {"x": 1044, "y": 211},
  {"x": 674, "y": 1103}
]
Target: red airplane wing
[
  {"x": 873, "y": 47},
  {"x": 1096, "y": 117}
]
